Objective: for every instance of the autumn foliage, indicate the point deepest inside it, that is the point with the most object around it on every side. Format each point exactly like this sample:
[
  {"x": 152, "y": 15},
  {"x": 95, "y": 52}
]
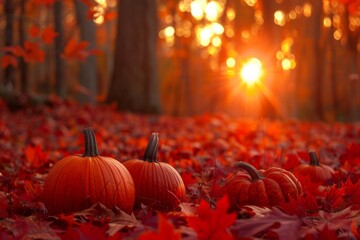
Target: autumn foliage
[{"x": 203, "y": 149}]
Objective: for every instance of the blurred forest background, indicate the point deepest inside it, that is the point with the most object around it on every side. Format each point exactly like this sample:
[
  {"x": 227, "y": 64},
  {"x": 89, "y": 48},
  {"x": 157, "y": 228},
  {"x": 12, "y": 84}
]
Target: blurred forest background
[{"x": 184, "y": 57}]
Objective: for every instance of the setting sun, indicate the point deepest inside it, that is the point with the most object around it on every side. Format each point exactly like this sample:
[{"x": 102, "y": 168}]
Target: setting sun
[{"x": 251, "y": 71}]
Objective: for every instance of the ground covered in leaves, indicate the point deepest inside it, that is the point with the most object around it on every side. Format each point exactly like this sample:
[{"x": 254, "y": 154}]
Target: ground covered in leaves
[{"x": 203, "y": 149}]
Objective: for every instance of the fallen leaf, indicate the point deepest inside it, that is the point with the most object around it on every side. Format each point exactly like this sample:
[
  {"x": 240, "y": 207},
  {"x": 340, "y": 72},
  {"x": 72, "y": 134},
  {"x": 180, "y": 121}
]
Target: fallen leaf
[
  {"x": 165, "y": 231},
  {"x": 35, "y": 155},
  {"x": 212, "y": 223},
  {"x": 285, "y": 226}
]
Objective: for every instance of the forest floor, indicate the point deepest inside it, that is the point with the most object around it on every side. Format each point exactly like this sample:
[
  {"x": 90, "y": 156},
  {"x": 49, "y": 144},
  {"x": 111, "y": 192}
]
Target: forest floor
[{"x": 203, "y": 149}]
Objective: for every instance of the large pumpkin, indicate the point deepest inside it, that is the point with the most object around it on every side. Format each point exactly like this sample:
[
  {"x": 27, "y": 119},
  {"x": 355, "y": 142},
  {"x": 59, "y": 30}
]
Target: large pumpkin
[
  {"x": 268, "y": 188},
  {"x": 157, "y": 184},
  {"x": 78, "y": 181},
  {"x": 317, "y": 172}
]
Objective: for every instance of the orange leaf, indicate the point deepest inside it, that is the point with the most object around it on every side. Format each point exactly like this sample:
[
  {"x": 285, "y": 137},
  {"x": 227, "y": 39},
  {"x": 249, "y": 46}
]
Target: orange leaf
[
  {"x": 212, "y": 223},
  {"x": 8, "y": 60},
  {"x": 15, "y": 50},
  {"x": 32, "y": 191},
  {"x": 48, "y": 35},
  {"x": 34, "y": 31},
  {"x": 166, "y": 230},
  {"x": 75, "y": 50},
  {"x": 35, "y": 155},
  {"x": 33, "y": 53}
]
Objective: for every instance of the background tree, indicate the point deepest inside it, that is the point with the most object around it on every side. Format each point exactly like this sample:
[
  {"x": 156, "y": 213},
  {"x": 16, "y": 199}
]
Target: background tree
[
  {"x": 9, "y": 10},
  {"x": 134, "y": 85},
  {"x": 60, "y": 84},
  {"x": 87, "y": 70}
]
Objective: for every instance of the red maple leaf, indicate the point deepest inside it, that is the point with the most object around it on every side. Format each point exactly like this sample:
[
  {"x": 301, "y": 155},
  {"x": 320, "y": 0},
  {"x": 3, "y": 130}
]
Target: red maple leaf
[
  {"x": 32, "y": 52},
  {"x": 77, "y": 50},
  {"x": 85, "y": 231},
  {"x": 352, "y": 192},
  {"x": 166, "y": 230},
  {"x": 267, "y": 222},
  {"x": 326, "y": 224},
  {"x": 15, "y": 50},
  {"x": 314, "y": 188},
  {"x": 355, "y": 229},
  {"x": 302, "y": 206},
  {"x": 188, "y": 178},
  {"x": 351, "y": 157},
  {"x": 334, "y": 197},
  {"x": 212, "y": 223},
  {"x": 49, "y": 35},
  {"x": 35, "y": 155},
  {"x": 32, "y": 191},
  {"x": 34, "y": 31},
  {"x": 8, "y": 60},
  {"x": 327, "y": 234}
]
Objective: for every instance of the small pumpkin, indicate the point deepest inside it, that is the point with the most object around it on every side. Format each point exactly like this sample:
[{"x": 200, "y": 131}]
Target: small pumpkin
[
  {"x": 317, "y": 172},
  {"x": 157, "y": 184},
  {"x": 78, "y": 181},
  {"x": 267, "y": 188}
]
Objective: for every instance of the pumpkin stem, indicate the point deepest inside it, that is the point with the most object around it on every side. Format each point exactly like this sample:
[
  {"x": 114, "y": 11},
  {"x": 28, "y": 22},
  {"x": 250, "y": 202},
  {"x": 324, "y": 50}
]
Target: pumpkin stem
[
  {"x": 152, "y": 148},
  {"x": 91, "y": 149},
  {"x": 314, "y": 161},
  {"x": 253, "y": 172}
]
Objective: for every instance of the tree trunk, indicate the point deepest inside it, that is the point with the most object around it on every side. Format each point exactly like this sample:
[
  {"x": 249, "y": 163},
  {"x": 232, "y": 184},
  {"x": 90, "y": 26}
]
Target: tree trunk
[
  {"x": 309, "y": 84},
  {"x": 60, "y": 83},
  {"x": 22, "y": 64},
  {"x": 270, "y": 36},
  {"x": 317, "y": 68},
  {"x": 9, "y": 9},
  {"x": 87, "y": 71},
  {"x": 134, "y": 85}
]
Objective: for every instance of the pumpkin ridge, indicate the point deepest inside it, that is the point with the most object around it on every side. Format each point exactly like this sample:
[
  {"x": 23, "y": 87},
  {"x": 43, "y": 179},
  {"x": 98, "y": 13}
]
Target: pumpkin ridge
[
  {"x": 124, "y": 182},
  {"x": 285, "y": 190},
  {"x": 144, "y": 169},
  {"x": 52, "y": 179},
  {"x": 109, "y": 165},
  {"x": 104, "y": 182},
  {"x": 270, "y": 192},
  {"x": 64, "y": 182},
  {"x": 88, "y": 178},
  {"x": 257, "y": 191},
  {"x": 167, "y": 180}
]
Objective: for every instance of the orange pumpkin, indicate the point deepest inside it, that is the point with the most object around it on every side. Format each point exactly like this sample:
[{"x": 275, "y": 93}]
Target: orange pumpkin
[
  {"x": 78, "y": 181},
  {"x": 270, "y": 187},
  {"x": 157, "y": 184},
  {"x": 317, "y": 172}
]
